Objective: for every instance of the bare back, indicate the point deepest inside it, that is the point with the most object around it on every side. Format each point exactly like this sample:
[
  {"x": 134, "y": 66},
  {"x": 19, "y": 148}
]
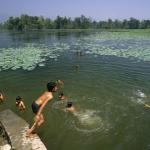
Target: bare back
[
  {"x": 71, "y": 109},
  {"x": 46, "y": 96}
]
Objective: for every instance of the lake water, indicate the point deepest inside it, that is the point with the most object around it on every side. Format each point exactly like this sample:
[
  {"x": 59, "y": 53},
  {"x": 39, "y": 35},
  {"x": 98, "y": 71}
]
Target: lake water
[{"x": 106, "y": 76}]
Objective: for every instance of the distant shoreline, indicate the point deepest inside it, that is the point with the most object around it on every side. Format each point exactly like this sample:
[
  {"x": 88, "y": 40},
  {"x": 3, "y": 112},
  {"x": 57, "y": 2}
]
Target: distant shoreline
[
  {"x": 77, "y": 30},
  {"x": 26, "y": 22}
]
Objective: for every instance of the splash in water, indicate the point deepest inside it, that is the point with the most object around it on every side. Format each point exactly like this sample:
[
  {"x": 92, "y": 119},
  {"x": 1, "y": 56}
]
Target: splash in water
[
  {"x": 88, "y": 121},
  {"x": 139, "y": 98},
  {"x": 139, "y": 93}
]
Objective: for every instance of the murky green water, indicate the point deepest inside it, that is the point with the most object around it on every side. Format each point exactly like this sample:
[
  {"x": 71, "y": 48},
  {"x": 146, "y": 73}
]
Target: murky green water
[{"x": 108, "y": 89}]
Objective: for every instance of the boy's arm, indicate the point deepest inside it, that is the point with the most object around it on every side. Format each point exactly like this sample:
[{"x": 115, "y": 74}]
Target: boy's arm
[
  {"x": 1, "y": 97},
  {"x": 146, "y": 105},
  {"x": 23, "y": 105},
  {"x": 40, "y": 111},
  {"x": 43, "y": 105}
]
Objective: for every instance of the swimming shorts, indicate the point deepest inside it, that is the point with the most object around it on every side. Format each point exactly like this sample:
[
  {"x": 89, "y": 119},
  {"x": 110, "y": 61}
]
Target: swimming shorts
[{"x": 35, "y": 107}]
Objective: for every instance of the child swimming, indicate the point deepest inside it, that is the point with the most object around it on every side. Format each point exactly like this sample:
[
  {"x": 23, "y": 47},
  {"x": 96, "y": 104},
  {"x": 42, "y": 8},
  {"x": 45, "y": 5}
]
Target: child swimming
[
  {"x": 1, "y": 97},
  {"x": 20, "y": 103},
  {"x": 70, "y": 107},
  {"x": 59, "y": 83},
  {"x": 61, "y": 96}
]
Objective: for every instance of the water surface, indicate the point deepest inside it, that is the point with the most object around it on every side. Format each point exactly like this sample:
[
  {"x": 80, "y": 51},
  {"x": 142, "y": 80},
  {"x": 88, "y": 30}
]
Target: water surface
[{"x": 108, "y": 88}]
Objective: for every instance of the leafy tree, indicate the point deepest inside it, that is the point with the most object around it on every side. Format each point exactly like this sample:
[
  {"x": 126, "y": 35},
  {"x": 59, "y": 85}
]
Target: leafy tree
[
  {"x": 25, "y": 22},
  {"x": 133, "y": 23}
]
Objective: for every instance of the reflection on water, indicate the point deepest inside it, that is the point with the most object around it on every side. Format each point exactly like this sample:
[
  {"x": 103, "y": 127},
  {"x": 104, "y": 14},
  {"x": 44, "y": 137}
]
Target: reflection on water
[{"x": 107, "y": 77}]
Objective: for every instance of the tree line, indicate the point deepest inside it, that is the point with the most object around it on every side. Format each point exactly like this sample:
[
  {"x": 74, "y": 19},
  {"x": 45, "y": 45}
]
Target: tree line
[{"x": 26, "y": 22}]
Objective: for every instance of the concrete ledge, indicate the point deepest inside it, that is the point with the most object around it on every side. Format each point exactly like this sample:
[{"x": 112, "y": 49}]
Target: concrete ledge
[{"x": 16, "y": 128}]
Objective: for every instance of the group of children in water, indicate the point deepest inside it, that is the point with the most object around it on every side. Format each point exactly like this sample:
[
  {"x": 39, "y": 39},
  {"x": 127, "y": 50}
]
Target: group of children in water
[
  {"x": 39, "y": 104},
  {"x": 19, "y": 102}
]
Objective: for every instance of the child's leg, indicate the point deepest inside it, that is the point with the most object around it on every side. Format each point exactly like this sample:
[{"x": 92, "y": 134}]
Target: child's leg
[
  {"x": 41, "y": 120},
  {"x": 30, "y": 131}
]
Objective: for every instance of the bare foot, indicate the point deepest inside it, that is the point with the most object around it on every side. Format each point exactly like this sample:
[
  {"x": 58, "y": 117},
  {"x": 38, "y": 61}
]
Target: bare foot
[{"x": 30, "y": 134}]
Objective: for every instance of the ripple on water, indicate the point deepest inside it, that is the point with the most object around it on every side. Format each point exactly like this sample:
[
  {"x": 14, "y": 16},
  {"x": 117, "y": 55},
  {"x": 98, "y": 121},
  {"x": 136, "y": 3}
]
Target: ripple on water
[{"x": 89, "y": 121}]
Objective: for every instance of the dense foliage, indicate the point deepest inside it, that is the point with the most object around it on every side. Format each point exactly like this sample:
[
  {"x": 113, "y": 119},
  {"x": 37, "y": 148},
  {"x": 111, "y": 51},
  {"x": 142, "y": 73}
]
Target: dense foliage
[{"x": 25, "y": 22}]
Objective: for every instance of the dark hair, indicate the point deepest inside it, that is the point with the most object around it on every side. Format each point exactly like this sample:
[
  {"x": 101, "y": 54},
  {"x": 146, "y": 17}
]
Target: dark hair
[
  {"x": 61, "y": 94},
  {"x": 50, "y": 86},
  {"x": 18, "y": 98},
  {"x": 69, "y": 104}
]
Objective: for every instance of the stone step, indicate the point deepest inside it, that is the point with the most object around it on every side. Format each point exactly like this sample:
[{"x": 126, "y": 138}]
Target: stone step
[{"x": 16, "y": 128}]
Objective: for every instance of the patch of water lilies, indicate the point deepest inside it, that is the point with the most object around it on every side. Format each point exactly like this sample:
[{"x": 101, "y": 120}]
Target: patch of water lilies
[
  {"x": 121, "y": 44},
  {"x": 126, "y": 44},
  {"x": 29, "y": 56}
]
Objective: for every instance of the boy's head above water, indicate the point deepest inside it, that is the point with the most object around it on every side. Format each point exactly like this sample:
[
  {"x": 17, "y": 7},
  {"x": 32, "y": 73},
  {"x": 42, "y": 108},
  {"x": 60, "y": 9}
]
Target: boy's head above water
[
  {"x": 51, "y": 87},
  {"x": 18, "y": 98},
  {"x": 61, "y": 96},
  {"x": 69, "y": 104}
]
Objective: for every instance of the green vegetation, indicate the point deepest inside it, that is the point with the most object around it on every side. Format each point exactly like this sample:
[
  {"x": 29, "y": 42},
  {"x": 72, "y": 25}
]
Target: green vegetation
[
  {"x": 31, "y": 53},
  {"x": 25, "y": 22}
]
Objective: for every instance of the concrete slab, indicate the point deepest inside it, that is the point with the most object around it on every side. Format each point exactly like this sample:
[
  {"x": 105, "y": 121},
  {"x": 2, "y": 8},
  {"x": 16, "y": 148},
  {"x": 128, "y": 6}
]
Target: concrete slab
[{"x": 16, "y": 128}]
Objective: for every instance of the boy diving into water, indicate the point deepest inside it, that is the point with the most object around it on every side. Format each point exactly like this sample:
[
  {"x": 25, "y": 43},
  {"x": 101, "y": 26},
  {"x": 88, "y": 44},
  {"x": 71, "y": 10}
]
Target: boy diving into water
[{"x": 38, "y": 106}]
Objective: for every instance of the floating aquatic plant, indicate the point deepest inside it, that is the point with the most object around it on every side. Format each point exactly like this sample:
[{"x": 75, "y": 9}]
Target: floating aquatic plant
[
  {"x": 29, "y": 56},
  {"x": 120, "y": 44}
]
